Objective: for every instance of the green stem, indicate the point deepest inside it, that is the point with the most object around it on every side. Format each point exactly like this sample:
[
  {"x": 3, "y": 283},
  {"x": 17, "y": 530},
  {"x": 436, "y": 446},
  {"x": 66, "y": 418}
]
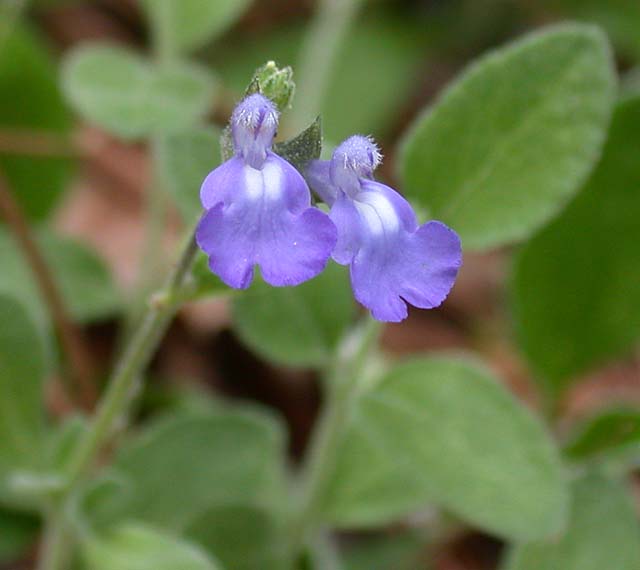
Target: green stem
[
  {"x": 162, "y": 30},
  {"x": 54, "y": 547},
  {"x": 136, "y": 357},
  {"x": 322, "y": 43},
  {"x": 115, "y": 401},
  {"x": 342, "y": 385}
]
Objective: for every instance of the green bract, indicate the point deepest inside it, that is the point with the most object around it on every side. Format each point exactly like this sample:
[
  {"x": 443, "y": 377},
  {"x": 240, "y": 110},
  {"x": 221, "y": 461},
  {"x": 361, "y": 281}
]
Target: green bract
[{"x": 513, "y": 139}]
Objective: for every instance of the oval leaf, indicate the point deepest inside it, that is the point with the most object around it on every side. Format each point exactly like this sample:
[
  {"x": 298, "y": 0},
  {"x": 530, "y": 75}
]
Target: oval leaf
[
  {"x": 242, "y": 537},
  {"x": 125, "y": 94},
  {"x": 185, "y": 158},
  {"x": 575, "y": 293},
  {"x": 83, "y": 278},
  {"x": 190, "y": 23},
  {"x": 613, "y": 435},
  {"x": 133, "y": 546},
  {"x": 443, "y": 430},
  {"x": 512, "y": 140},
  {"x": 603, "y": 533},
  {"x": 30, "y": 99},
  {"x": 181, "y": 466},
  {"x": 21, "y": 378},
  {"x": 296, "y": 326}
]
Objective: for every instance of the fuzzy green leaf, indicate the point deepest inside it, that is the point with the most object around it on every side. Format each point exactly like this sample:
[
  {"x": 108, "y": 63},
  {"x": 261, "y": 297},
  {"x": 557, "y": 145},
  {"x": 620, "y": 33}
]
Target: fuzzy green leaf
[
  {"x": 133, "y": 546},
  {"x": 191, "y": 23},
  {"x": 513, "y": 139},
  {"x": 296, "y": 326},
  {"x": 81, "y": 275},
  {"x": 182, "y": 466},
  {"x": 125, "y": 94},
  {"x": 185, "y": 159},
  {"x": 603, "y": 533},
  {"x": 442, "y": 430},
  {"x": 21, "y": 391}
]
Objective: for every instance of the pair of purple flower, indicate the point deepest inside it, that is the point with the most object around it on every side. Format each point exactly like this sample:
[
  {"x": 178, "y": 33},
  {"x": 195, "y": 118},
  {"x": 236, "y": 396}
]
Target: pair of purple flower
[{"x": 259, "y": 212}]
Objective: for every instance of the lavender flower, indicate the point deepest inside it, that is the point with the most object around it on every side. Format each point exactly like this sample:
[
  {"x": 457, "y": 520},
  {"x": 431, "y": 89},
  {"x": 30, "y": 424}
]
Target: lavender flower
[
  {"x": 393, "y": 260},
  {"x": 259, "y": 209}
]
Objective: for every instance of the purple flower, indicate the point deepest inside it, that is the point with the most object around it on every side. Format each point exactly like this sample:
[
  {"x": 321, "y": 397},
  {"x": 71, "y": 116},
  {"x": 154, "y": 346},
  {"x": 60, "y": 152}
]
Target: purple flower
[
  {"x": 393, "y": 260},
  {"x": 258, "y": 209}
]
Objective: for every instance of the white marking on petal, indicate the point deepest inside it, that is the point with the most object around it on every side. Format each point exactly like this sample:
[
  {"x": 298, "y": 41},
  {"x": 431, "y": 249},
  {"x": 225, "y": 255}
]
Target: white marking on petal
[
  {"x": 272, "y": 174},
  {"x": 265, "y": 183},
  {"x": 253, "y": 182},
  {"x": 378, "y": 213}
]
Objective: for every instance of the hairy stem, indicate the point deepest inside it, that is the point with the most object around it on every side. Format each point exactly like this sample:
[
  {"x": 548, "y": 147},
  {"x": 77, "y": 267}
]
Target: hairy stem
[
  {"x": 321, "y": 46},
  {"x": 342, "y": 383},
  {"x": 115, "y": 401},
  {"x": 135, "y": 358},
  {"x": 77, "y": 360}
]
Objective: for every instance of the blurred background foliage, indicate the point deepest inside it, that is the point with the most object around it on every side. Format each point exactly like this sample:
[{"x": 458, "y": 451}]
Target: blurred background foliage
[{"x": 103, "y": 151}]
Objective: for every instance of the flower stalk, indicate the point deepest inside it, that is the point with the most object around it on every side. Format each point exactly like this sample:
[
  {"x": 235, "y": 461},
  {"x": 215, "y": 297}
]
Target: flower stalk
[
  {"x": 343, "y": 380},
  {"x": 115, "y": 401}
]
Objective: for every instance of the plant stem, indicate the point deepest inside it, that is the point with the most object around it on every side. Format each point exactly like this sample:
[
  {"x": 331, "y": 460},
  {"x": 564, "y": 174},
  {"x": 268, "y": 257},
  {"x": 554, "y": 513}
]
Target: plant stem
[
  {"x": 321, "y": 45},
  {"x": 31, "y": 142},
  {"x": 134, "y": 359},
  {"x": 342, "y": 384},
  {"x": 115, "y": 401},
  {"x": 77, "y": 362}
]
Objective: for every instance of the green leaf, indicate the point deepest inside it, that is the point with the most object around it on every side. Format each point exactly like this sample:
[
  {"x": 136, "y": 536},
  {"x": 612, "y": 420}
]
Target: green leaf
[
  {"x": 296, "y": 326},
  {"x": 377, "y": 64},
  {"x": 305, "y": 147},
  {"x": 127, "y": 95},
  {"x": 185, "y": 158},
  {"x": 575, "y": 294},
  {"x": 133, "y": 546},
  {"x": 18, "y": 532},
  {"x": 180, "y": 467},
  {"x": 603, "y": 533},
  {"x": 30, "y": 100},
  {"x": 21, "y": 391},
  {"x": 611, "y": 434},
  {"x": 191, "y": 23},
  {"x": 82, "y": 277},
  {"x": 243, "y": 537},
  {"x": 443, "y": 430},
  {"x": 513, "y": 139}
]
